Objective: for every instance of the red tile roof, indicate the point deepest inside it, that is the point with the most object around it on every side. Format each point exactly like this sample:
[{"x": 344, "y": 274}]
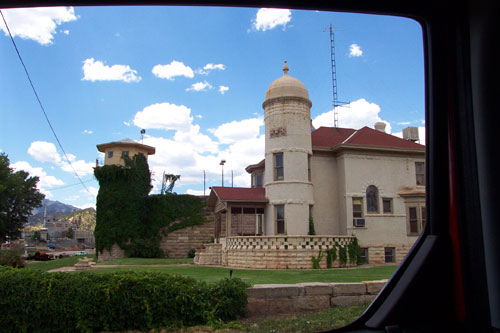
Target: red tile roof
[
  {"x": 331, "y": 137},
  {"x": 240, "y": 193}
]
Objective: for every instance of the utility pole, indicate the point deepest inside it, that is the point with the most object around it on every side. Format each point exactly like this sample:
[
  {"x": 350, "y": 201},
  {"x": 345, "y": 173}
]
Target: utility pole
[
  {"x": 232, "y": 179},
  {"x": 204, "y": 182},
  {"x": 222, "y": 162}
]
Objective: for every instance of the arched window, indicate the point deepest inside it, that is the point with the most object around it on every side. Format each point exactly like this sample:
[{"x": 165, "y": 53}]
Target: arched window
[{"x": 372, "y": 199}]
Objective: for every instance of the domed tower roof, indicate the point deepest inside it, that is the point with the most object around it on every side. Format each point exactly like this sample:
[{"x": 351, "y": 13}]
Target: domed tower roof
[{"x": 286, "y": 86}]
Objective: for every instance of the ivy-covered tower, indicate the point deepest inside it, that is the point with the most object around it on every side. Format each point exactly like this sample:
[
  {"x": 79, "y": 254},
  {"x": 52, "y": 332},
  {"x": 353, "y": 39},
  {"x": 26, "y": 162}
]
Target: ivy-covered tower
[{"x": 288, "y": 153}]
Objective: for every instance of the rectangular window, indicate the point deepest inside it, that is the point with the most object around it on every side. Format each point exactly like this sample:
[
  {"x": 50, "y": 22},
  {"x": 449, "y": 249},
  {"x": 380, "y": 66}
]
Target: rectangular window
[
  {"x": 235, "y": 210},
  {"x": 259, "y": 181},
  {"x": 420, "y": 173},
  {"x": 412, "y": 211},
  {"x": 390, "y": 254},
  {"x": 363, "y": 255},
  {"x": 124, "y": 153},
  {"x": 357, "y": 208},
  {"x": 415, "y": 219},
  {"x": 280, "y": 219},
  {"x": 387, "y": 205},
  {"x": 110, "y": 154},
  {"x": 259, "y": 210},
  {"x": 278, "y": 166}
]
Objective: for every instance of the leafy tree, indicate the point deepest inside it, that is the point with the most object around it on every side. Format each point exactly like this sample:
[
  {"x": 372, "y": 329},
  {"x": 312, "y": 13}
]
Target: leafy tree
[
  {"x": 168, "y": 182},
  {"x": 36, "y": 236},
  {"x": 69, "y": 233},
  {"x": 18, "y": 196}
]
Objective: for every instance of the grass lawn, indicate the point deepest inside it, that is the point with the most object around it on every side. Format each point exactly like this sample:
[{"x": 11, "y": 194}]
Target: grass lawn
[
  {"x": 211, "y": 274},
  {"x": 148, "y": 261},
  {"x": 56, "y": 263},
  {"x": 316, "y": 321}
]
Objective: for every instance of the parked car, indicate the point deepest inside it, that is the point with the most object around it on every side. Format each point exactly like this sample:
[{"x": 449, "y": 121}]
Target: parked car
[{"x": 51, "y": 246}]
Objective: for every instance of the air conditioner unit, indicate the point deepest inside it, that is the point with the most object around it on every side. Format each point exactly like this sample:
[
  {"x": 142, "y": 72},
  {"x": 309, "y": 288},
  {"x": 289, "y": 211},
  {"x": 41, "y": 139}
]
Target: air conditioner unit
[{"x": 358, "y": 222}]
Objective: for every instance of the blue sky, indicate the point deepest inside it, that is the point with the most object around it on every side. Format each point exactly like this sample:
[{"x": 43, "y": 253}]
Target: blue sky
[{"x": 195, "y": 79}]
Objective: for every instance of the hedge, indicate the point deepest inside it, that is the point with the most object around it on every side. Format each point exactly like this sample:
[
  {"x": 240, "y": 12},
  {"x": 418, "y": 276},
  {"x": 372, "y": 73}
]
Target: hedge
[{"x": 35, "y": 301}]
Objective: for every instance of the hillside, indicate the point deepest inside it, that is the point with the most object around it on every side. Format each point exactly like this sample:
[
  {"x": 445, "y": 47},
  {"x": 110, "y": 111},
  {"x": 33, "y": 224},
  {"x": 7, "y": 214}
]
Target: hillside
[
  {"x": 83, "y": 219},
  {"x": 54, "y": 209}
]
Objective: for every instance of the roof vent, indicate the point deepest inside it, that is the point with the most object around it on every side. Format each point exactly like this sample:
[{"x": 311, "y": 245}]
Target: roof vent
[
  {"x": 380, "y": 126},
  {"x": 410, "y": 134}
]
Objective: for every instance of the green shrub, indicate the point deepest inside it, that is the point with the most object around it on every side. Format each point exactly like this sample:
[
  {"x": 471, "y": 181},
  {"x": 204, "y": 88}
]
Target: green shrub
[
  {"x": 12, "y": 257},
  {"x": 342, "y": 256},
  {"x": 354, "y": 251},
  {"x": 191, "y": 253},
  {"x": 35, "y": 301},
  {"x": 331, "y": 256},
  {"x": 317, "y": 260}
]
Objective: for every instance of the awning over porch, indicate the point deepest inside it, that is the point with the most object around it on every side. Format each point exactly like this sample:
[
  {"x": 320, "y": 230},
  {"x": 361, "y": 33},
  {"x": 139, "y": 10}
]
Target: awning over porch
[
  {"x": 219, "y": 196},
  {"x": 237, "y": 210}
]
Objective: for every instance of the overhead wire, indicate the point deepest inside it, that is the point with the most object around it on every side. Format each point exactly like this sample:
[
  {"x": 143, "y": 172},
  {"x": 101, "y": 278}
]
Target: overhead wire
[{"x": 41, "y": 105}]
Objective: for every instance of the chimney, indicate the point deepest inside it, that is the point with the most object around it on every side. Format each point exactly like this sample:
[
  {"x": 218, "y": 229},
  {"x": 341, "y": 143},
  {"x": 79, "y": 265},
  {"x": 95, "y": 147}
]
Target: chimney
[
  {"x": 380, "y": 126},
  {"x": 410, "y": 134}
]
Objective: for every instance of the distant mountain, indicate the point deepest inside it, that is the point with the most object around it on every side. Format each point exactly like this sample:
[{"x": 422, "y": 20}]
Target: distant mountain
[
  {"x": 54, "y": 210},
  {"x": 83, "y": 219}
]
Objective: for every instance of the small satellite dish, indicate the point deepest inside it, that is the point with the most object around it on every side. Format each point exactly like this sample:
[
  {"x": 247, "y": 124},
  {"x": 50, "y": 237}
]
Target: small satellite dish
[{"x": 143, "y": 131}]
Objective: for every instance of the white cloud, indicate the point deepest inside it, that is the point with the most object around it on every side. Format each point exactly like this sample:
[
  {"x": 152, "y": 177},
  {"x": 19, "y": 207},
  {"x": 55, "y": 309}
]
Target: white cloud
[
  {"x": 175, "y": 68},
  {"x": 355, "y": 115},
  {"x": 200, "y": 142},
  {"x": 196, "y": 192},
  {"x": 81, "y": 167},
  {"x": 93, "y": 191},
  {"x": 238, "y": 130},
  {"x": 200, "y": 86},
  {"x": 355, "y": 51},
  {"x": 38, "y": 24},
  {"x": 199, "y": 116},
  {"x": 404, "y": 123},
  {"x": 127, "y": 123},
  {"x": 46, "y": 182},
  {"x": 97, "y": 71},
  {"x": 86, "y": 205},
  {"x": 66, "y": 32},
  {"x": 87, "y": 132},
  {"x": 44, "y": 151},
  {"x": 223, "y": 89},
  {"x": 269, "y": 18},
  {"x": 164, "y": 116},
  {"x": 210, "y": 67}
]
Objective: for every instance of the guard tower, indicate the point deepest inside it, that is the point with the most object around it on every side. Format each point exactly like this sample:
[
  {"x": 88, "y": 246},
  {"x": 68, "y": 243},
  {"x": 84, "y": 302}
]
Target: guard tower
[
  {"x": 288, "y": 151},
  {"x": 115, "y": 151}
]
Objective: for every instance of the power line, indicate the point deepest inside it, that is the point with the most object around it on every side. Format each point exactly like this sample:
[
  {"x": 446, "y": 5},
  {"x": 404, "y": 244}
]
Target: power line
[
  {"x": 65, "y": 186},
  {"x": 41, "y": 105}
]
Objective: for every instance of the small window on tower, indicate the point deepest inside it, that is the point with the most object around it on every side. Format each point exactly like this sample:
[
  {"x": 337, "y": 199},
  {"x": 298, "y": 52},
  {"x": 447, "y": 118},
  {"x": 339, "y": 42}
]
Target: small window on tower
[
  {"x": 278, "y": 166},
  {"x": 110, "y": 154}
]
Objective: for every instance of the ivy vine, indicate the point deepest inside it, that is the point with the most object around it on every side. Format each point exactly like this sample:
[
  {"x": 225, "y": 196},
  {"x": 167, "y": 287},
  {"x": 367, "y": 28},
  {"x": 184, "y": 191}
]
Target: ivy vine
[{"x": 127, "y": 216}]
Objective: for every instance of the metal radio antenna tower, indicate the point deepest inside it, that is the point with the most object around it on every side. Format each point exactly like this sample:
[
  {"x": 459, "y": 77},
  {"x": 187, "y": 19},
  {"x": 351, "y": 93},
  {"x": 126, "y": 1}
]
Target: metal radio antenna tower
[{"x": 335, "y": 101}]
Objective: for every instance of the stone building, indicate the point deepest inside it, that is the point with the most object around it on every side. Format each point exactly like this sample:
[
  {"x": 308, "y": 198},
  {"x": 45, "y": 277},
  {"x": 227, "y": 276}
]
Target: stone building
[
  {"x": 115, "y": 151},
  {"x": 364, "y": 182}
]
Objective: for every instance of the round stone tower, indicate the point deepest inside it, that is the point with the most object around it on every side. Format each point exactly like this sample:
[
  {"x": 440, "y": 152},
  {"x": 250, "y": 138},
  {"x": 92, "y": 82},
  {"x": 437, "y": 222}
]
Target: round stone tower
[{"x": 287, "y": 180}]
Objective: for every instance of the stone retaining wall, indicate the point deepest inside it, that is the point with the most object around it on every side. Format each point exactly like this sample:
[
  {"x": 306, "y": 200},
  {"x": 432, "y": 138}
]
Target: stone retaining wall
[
  {"x": 178, "y": 243},
  {"x": 279, "y": 252},
  {"x": 116, "y": 252},
  {"x": 287, "y": 298}
]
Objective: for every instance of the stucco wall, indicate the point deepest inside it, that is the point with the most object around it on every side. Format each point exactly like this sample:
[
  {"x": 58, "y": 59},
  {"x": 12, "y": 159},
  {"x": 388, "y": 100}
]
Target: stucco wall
[
  {"x": 391, "y": 174},
  {"x": 117, "y": 154},
  {"x": 326, "y": 186}
]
